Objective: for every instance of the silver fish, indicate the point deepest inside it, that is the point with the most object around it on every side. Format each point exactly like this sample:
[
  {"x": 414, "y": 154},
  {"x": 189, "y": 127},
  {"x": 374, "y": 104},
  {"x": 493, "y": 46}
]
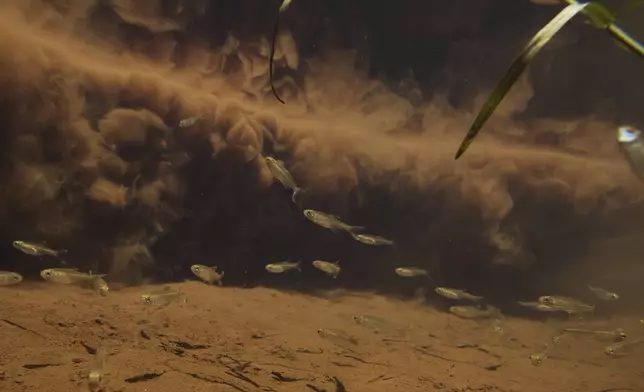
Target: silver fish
[
  {"x": 332, "y": 269},
  {"x": 37, "y": 250},
  {"x": 329, "y": 221},
  {"x": 603, "y": 294},
  {"x": 622, "y": 348},
  {"x": 68, "y": 276},
  {"x": 283, "y": 176},
  {"x": 472, "y": 312},
  {"x": 539, "y": 306},
  {"x": 99, "y": 285},
  {"x": 370, "y": 239},
  {"x": 411, "y": 272},
  {"x": 616, "y": 335},
  {"x": 566, "y": 304},
  {"x": 9, "y": 278},
  {"x": 190, "y": 121},
  {"x": 277, "y": 268},
  {"x": 207, "y": 274},
  {"x": 537, "y": 359},
  {"x": 457, "y": 294},
  {"x": 96, "y": 372},
  {"x": 631, "y": 145},
  {"x": 375, "y": 324},
  {"x": 161, "y": 297}
]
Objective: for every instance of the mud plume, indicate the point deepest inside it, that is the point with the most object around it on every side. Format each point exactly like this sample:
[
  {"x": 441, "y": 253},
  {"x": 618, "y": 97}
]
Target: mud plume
[{"x": 95, "y": 159}]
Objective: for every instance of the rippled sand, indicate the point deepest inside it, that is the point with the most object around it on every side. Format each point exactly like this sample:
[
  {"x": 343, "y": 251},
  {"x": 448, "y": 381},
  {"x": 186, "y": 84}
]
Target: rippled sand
[{"x": 227, "y": 339}]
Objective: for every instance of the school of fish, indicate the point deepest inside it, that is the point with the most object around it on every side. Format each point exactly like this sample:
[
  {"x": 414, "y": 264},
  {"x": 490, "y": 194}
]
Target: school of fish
[{"x": 465, "y": 304}]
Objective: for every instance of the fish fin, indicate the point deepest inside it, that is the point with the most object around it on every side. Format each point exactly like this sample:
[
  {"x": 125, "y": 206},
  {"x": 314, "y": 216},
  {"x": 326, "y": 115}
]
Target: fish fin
[
  {"x": 219, "y": 282},
  {"x": 296, "y": 193}
]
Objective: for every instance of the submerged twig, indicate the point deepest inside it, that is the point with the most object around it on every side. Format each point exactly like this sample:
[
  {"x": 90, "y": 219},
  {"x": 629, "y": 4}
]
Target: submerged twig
[{"x": 23, "y": 328}]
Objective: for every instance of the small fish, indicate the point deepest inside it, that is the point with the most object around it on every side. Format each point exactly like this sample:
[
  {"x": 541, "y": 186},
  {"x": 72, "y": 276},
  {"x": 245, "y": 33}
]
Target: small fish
[
  {"x": 375, "y": 324},
  {"x": 603, "y": 294},
  {"x": 332, "y": 269},
  {"x": 566, "y": 304},
  {"x": 278, "y": 268},
  {"x": 616, "y": 335},
  {"x": 622, "y": 348},
  {"x": 537, "y": 359},
  {"x": 9, "y": 278},
  {"x": 160, "y": 297},
  {"x": 457, "y": 294},
  {"x": 539, "y": 306},
  {"x": 190, "y": 121},
  {"x": 95, "y": 375},
  {"x": 338, "y": 337},
  {"x": 411, "y": 272},
  {"x": 632, "y": 147},
  {"x": 472, "y": 312},
  {"x": 370, "y": 239},
  {"x": 37, "y": 250},
  {"x": 207, "y": 274},
  {"x": 329, "y": 221},
  {"x": 283, "y": 176},
  {"x": 68, "y": 276},
  {"x": 100, "y": 285}
]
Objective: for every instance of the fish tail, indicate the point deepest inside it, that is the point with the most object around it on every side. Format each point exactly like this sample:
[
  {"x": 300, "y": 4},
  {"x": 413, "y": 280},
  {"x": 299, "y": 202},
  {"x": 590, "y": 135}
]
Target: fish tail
[
  {"x": 296, "y": 193},
  {"x": 298, "y": 266},
  {"x": 355, "y": 229}
]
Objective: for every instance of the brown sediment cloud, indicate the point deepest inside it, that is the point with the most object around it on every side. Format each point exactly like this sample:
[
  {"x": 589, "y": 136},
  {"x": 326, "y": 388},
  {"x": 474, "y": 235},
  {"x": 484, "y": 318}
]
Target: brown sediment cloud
[{"x": 86, "y": 115}]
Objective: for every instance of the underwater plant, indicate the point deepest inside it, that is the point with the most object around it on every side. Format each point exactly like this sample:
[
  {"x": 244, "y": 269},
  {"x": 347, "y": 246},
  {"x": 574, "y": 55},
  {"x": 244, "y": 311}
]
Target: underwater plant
[{"x": 598, "y": 15}]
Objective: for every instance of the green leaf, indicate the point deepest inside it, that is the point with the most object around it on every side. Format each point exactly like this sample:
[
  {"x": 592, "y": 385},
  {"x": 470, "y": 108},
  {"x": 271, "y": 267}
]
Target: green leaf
[
  {"x": 599, "y": 15},
  {"x": 516, "y": 69},
  {"x": 626, "y": 40}
]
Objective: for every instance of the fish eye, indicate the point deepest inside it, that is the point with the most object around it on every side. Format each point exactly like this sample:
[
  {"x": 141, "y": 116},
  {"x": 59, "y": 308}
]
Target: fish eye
[{"x": 48, "y": 273}]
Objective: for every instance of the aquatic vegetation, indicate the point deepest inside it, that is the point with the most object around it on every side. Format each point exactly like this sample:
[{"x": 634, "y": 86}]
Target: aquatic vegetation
[{"x": 599, "y": 17}]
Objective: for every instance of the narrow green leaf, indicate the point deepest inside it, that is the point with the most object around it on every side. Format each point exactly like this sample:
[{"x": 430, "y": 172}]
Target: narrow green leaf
[
  {"x": 626, "y": 40},
  {"x": 516, "y": 69},
  {"x": 599, "y": 15}
]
